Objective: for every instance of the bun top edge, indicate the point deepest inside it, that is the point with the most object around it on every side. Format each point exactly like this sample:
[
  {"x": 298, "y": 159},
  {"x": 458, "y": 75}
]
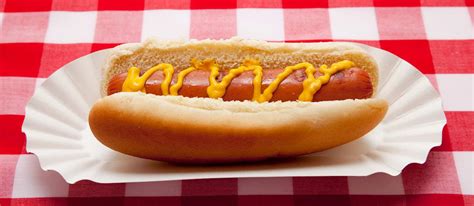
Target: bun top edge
[{"x": 157, "y": 43}]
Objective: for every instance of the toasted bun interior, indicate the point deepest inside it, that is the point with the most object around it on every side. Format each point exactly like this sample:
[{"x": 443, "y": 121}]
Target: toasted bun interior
[
  {"x": 203, "y": 130},
  {"x": 230, "y": 53}
]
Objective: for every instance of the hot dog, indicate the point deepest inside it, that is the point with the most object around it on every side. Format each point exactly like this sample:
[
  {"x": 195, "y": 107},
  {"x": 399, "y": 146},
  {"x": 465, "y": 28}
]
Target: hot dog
[
  {"x": 221, "y": 101},
  {"x": 353, "y": 83}
]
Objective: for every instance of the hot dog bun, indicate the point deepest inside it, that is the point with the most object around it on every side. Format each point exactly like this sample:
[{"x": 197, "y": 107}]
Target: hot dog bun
[{"x": 204, "y": 130}]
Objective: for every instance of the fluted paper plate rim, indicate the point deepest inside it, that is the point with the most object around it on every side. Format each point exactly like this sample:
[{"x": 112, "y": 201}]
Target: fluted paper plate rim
[{"x": 74, "y": 161}]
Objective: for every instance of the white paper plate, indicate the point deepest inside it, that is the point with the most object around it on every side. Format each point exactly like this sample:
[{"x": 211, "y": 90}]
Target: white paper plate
[{"x": 58, "y": 133}]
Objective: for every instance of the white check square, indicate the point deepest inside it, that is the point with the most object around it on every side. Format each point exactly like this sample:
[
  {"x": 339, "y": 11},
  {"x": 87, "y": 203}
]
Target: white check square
[
  {"x": 1, "y": 20},
  {"x": 71, "y": 27},
  {"x": 465, "y": 168},
  {"x": 353, "y": 23},
  {"x": 457, "y": 91},
  {"x": 166, "y": 24},
  {"x": 264, "y": 24},
  {"x": 447, "y": 23}
]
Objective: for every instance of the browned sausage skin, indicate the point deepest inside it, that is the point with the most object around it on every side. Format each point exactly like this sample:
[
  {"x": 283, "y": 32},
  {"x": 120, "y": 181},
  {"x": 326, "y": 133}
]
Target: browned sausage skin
[{"x": 353, "y": 83}]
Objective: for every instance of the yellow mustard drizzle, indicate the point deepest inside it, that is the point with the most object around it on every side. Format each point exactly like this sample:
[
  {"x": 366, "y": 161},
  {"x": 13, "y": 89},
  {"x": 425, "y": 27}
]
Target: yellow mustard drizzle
[
  {"x": 216, "y": 89},
  {"x": 134, "y": 82},
  {"x": 312, "y": 85},
  {"x": 268, "y": 92},
  {"x": 179, "y": 83}
]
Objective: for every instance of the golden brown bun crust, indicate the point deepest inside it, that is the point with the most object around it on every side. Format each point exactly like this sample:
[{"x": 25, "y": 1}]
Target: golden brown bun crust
[{"x": 203, "y": 130}]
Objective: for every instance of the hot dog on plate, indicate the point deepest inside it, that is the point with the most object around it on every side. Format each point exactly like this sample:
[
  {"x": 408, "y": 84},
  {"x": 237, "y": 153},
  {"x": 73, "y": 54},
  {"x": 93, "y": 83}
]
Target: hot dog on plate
[{"x": 219, "y": 101}]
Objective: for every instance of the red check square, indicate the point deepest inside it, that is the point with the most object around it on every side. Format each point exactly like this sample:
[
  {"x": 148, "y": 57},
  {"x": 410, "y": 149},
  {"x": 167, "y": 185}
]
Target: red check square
[
  {"x": 435, "y": 200},
  {"x": 20, "y": 59},
  {"x": 68, "y": 5},
  {"x": 267, "y": 200},
  {"x": 320, "y": 185},
  {"x": 99, "y": 46},
  {"x": 304, "y": 4},
  {"x": 213, "y": 23},
  {"x": 121, "y": 5},
  {"x": 437, "y": 175},
  {"x": 400, "y": 23},
  {"x": 377, "y": 200},
  {"x": 167, "y": 4},
  {"x": 461, "y": 130},
  {"x": 209, "y": 200},
  {"x": 468, "y": 199},
  {"x": 27, "y": 5},
  {"x": 259, "y": 3},
  {"x": 41, "y": 201},
  {"x": 452, "y": 56},
  {"x": 24, "y": 27},
  {"x": 57, "y": 55},
  {"x": 13, "y": 140},
  {"x": 442, "y": 3},
  {"x": 7, "y": 174},
  {"x": 213, "y": 4},
  {"x": 303, "y": 24},
  {"x": 118, "y": 26},
  {"x": 398, "y": 3},
  {"x": 14, "y": 94},
  {"x": 94, "y": 201},
  {"x": 5, "y": 201},
  {"x": 88, "y": 188},
  {"x": 350, "y": 3},
  {"x": 415, "y": 52},
  {"x": 209, "y": 187},
  {"x": 139, "y": 201},
  {"x": 2, "y": 5},
  {"x": 310, "y": 200}
]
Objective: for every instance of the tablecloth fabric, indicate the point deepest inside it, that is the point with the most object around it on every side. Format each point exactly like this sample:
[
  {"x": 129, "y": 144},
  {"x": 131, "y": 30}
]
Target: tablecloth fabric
[{"x": 436, "y": 36}]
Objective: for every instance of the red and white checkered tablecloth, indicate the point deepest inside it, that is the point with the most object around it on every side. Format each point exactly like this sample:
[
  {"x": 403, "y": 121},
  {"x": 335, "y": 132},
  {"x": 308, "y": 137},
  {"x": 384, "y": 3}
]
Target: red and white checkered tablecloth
[{"x": 38, "y": 37}]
